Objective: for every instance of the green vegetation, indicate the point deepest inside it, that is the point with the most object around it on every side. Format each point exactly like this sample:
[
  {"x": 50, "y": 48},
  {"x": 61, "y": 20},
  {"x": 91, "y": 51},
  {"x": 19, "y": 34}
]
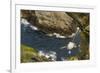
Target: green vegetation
[
  {"x": 84, "y": 46},
  {"x": 29, "y": 54},
  {"x": 71, "y": 58}
]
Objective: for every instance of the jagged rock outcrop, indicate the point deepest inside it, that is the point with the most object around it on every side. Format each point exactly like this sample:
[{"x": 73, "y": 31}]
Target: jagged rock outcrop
[
  {"x": 51, "y": 21},
  {"x": 82, "y": 19}
]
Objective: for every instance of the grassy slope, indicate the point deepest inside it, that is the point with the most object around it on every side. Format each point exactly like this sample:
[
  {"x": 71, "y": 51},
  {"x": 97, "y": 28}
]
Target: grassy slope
[{"x": 29, "y": 54}]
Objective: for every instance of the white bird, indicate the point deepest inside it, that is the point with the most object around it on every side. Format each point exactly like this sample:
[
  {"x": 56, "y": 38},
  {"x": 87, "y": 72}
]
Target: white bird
[{"x": 71, "y": 45}]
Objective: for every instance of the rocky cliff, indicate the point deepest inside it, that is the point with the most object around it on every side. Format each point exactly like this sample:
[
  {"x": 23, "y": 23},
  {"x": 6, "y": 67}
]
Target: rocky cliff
[{"x": 51, "y": 21}]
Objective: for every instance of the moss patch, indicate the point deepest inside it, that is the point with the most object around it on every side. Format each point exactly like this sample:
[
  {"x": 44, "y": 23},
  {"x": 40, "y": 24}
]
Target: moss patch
[{"x": 29, "y": 54}]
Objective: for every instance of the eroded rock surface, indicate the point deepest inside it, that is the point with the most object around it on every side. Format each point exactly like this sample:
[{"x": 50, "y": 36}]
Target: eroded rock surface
[{"x": 51, "y": 21}]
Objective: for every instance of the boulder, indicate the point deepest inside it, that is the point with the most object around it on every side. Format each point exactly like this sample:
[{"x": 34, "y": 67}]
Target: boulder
[{"x": 51, "y": 21}]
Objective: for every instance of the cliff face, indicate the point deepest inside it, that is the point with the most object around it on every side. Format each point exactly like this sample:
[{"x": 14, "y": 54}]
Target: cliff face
[
  {"x": 51, "y": 22},
  {"x": 58, "y": 22}
]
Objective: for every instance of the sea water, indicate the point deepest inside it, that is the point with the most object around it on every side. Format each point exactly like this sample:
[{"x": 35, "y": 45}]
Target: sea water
[{"x": 39, "y": 40}]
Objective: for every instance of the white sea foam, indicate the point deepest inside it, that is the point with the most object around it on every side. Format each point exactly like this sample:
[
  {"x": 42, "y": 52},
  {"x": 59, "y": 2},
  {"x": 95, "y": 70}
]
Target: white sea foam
[
  {"x": 41, "y": 53},
  {"x": 51, "y": 55},
  {"x": 47, "y": 56},
  {"x": 72, "y": 35},
  {"x": 25, "y": 22},
  {"x": 58, "y": 35},
  {"x": 33, "y": 27}
]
